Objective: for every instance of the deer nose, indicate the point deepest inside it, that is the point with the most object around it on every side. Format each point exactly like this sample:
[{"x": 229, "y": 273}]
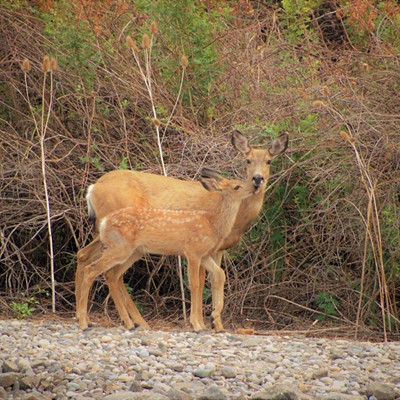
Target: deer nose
[{"x": 257, "y": 180}]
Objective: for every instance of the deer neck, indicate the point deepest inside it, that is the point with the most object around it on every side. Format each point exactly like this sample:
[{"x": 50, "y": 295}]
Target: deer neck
[
  {"x": 248, "y": 211},
  {"x": 223, "y": 219}
]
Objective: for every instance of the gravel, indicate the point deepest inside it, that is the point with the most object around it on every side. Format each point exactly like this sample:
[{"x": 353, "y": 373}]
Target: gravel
[{"x": 55, "y": 360}]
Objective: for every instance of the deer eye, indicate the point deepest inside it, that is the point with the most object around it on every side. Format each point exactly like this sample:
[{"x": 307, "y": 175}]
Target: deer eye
[
  {"x": 236, "y": 187},
  {"x": 248, "y": 161},
  {"x": 269, "y": 162}
]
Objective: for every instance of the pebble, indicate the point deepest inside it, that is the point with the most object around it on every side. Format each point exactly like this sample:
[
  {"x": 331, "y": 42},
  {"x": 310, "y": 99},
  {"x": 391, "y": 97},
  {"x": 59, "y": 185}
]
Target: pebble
[{"x": 56, "y": 360}]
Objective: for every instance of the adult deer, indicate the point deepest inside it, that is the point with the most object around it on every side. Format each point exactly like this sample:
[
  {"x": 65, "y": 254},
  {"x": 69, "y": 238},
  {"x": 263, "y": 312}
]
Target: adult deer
[
  {"x": 121, "y": 189},
  {"x": 129, "y": 233}
]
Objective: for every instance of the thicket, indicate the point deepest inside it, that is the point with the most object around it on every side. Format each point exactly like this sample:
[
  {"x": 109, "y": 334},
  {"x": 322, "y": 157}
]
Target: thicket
[{"x": 76, "y": 101}]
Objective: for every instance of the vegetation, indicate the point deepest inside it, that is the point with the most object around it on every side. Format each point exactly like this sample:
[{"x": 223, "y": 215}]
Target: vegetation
[{"x": 78, "y": 100}]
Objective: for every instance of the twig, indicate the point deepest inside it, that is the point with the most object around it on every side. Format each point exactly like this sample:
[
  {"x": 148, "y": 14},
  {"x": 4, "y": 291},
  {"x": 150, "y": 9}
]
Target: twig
[
  {"x": 49, "y": 65},
  {"x": 147, "y": 79}
]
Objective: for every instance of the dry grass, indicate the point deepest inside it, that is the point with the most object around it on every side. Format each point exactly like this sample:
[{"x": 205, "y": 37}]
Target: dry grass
[{"x": 331, "y": 219}]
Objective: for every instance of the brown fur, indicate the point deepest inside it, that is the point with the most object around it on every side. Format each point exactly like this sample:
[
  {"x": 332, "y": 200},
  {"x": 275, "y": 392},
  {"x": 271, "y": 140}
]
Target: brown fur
[{"x": 121, "y": 189}]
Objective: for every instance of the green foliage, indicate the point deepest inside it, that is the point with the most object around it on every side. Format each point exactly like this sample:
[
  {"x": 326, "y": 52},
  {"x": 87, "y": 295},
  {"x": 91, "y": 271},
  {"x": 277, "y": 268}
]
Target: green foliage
[
  {"x": 141, "y": 308},
  {"x": 124, "y": 164},
  {"x": 73, "y": 40},
  {"x": 297, "y": 15},
  {"x": 206, "y": 295},
  {"x": 94, "y": 161},
  {"x": 187, "y": 28},
  {"x": 24, "y": 309},
  {"x": 328, "y": 304}
]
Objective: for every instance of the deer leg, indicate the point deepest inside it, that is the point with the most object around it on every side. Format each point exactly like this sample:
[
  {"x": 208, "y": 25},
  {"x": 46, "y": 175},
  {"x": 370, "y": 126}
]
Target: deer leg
[
  {"x": 194, "y": 284},
  {"x": 217, "y": 276},
  {"x": 202, "y": 280},
  {"x": 110, "y": 258},
  {"x": 123, "y": 302},
  {"x": 85, "y": 256}
]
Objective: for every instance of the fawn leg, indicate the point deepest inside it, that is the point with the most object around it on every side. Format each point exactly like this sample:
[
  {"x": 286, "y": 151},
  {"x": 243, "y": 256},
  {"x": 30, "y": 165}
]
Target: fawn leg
[
  {"x": 85, "y": 256},
  {"x": 217, "y": 276},
  {"x": 123, "y": 302},
  {"x": 194, "y": 284},
  {"x": 202, "y": 281},
  {"x": 110, "y": 258}
]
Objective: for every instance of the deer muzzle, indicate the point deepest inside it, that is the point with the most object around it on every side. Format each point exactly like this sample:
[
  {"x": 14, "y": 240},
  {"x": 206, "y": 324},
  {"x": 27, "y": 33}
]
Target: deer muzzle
[{"x": 257, "y": 181}]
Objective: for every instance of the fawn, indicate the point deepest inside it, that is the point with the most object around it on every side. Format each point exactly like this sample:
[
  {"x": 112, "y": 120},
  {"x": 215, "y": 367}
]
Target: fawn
[{"x": 130, "y": 233}]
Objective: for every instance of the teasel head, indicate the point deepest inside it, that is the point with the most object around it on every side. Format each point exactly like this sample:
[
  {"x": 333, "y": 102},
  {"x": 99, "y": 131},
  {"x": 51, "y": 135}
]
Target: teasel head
[
  {"x": 131, "y": 44},
  {"x": 146, "y": 41},
  {"x": 53, "y": 64},
  {"x": 26, "y": 65},
  {"x": 184, "y": 61},
  {"x": 153, "y": 28},
  {"x": 365, "y": 66},
  {"x": 46, "y": 64},
  {"x": 326, "y": 90},
  {"x": 346, "y": 136},
  {"x": 156, "y": 122},
  {"x": 318, "y": 104}
]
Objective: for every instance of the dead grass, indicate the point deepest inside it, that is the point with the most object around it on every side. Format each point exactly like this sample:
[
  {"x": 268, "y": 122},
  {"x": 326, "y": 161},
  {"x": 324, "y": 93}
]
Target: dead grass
[{"x": 331, "y": 218}]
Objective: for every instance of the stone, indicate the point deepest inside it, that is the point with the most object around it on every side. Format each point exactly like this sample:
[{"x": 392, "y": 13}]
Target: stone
[
  {"x": 135, "y": 386},
  {"x": 320, "y": 373},
  {"x": 382, "y": 391},
  {"x": 135, "y": 396},
  {"x": 24, "y": 365},
  {"x": 117, "y": 364},
  {"x": 203, "y": 372},
  {"x": 29, "y": 382},
  {"x": 10, "y": 366},
  {"x": 176, "y": 394},
  {"x": 212, "y": 393},
  {"x": 106, "y": 339},
  {"x": 228, "y": 372},
  {"x": 9, "y": 379},
  {"x": 43, "y": 343},
  {"x": 35, "y": 396},
  {"x": 340, "y": 396},
  {"x": 280, "y": 392}
]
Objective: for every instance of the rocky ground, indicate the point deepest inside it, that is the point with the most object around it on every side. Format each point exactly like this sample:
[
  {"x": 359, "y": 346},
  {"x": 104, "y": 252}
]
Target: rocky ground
[{"x": 55, "y": 360}]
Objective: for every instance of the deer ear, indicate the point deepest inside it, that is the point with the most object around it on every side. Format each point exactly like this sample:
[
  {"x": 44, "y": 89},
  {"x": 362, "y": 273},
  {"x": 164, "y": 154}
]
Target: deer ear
[
  {"x": 240, "y": 143},
  {"x": 279, "y": 145},
  {"x": 211, "y": 173},
  {"x": 210, "y": 184}
]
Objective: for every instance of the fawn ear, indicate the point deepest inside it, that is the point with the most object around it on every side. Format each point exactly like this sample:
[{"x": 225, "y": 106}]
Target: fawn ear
[
  {"x": 240, "y": 143},
  {"x": 210, "y": 184},
  {"x": 211, "y": 173}
]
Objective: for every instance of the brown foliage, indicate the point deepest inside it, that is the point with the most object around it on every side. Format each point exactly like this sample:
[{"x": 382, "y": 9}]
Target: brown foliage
[{"x": 315, "y": 234}]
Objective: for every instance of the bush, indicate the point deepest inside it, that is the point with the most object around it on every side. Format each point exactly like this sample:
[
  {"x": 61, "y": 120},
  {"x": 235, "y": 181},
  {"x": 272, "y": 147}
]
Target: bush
[{"x": 327, "y": 238}]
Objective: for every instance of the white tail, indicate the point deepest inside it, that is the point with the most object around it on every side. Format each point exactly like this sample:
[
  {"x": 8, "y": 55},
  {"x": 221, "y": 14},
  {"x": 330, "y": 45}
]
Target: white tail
[
  {"x": 130, "y": 233},
  {"x": 120, "y": 189}
]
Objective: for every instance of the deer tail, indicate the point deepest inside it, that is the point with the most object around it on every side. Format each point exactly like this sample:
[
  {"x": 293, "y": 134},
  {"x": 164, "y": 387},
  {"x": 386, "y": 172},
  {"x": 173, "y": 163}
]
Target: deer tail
[{"x": 92, "y": 214}]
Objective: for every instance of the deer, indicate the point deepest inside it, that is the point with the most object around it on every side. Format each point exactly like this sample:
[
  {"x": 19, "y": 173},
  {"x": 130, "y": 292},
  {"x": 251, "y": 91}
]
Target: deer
[
  {"x": 126, "y": 188},
  {"x": 130, "y": 233}
]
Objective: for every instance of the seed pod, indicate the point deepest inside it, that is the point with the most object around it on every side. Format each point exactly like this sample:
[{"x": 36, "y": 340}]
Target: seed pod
[
  {"x": 365, "y": 67},
  {"x": 53, "y": 64},
  {"x": 318, "y": 104},
  {"x": 153, "y": 28},
  {"x": 346, "y": 136},
  {"x": 326, "y": 90},
  {"x": 184, "y": 61},
  {"x": 26, "y": 65},
  {"x": 131, "y": 44},
  {"x": 46, "y": 64},
  {"x": 146, "y": 41}
]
